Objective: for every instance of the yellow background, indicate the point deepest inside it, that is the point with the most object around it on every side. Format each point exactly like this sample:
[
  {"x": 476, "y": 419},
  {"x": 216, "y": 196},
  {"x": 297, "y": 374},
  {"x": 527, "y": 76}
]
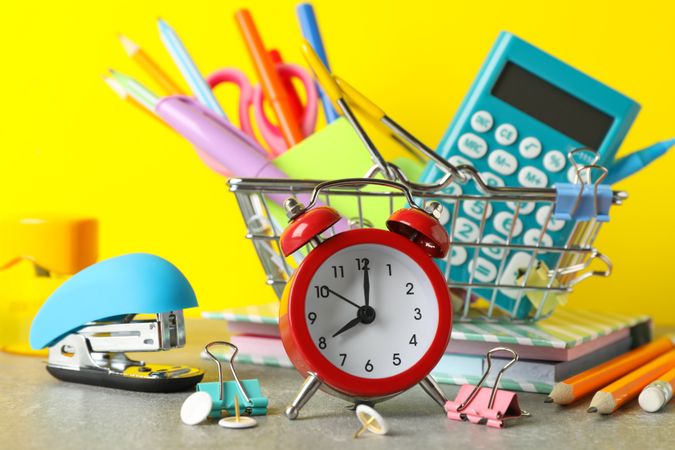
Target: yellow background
[{"x": 70, "y": 145}]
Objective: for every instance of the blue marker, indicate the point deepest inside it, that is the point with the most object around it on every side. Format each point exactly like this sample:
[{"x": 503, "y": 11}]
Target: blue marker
[
  {"x": 636, "y": 161},
  {"x": 310, "y": 31}
]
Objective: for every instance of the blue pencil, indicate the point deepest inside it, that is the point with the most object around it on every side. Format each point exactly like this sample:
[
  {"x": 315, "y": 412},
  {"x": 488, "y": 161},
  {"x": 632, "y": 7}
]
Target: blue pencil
[
  {"x": 187, "y": 67},
  {"x": 310, "y": 31}
]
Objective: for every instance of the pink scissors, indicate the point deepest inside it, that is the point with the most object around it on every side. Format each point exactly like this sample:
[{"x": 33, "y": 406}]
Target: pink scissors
[{"x": 252, "y": 96}]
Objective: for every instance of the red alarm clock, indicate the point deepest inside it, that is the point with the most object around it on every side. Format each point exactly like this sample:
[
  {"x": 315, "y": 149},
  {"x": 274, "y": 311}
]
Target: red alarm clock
[{"x": 367, "y": 313}]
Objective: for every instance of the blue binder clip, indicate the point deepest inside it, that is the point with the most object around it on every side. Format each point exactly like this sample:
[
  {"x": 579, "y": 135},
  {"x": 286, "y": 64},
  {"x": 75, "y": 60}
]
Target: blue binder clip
[
  {"x": 576, "y": 202},
  {"x": 88, "y": 324},
  {"x": 250, "y": 398}
]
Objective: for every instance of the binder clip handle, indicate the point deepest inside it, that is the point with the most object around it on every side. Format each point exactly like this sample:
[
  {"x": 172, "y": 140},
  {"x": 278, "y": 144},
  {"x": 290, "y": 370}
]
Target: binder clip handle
[
  {"x": 220, "y": 369},
  {"x": 476, "y": 389}
]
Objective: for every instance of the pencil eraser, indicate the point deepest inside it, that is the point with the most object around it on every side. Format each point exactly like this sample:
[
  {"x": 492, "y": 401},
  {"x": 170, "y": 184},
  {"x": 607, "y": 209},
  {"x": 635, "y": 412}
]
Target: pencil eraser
[{"x": 652, "y": 399}]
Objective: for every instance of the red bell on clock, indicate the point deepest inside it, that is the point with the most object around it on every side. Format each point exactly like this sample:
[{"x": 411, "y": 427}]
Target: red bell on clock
[{"x": 367, "y": 313}]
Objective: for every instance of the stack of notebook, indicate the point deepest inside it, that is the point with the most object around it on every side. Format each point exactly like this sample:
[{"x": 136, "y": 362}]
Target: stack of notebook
[{"x": 550, "y": 350}]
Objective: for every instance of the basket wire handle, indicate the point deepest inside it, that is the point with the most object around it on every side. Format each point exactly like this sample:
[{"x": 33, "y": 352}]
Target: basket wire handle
[
  {"x": 220, "y": 369},
  {"x": 362, "y": 182},
  {"x": 493, "y": 394},
  {"x": 585, "y": 265}
]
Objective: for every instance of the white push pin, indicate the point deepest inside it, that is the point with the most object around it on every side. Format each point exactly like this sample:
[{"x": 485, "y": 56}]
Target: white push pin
[
  {"x": 196, "y": 408},
  {"x": 371, "y": 420},
  {"x": 237, "y": 421}
]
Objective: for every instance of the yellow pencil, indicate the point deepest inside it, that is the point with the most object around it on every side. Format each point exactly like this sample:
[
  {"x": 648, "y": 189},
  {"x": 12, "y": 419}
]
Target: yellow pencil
[
  {"x": 612, "y": 397},
  {"x": 149, "y": 66}
]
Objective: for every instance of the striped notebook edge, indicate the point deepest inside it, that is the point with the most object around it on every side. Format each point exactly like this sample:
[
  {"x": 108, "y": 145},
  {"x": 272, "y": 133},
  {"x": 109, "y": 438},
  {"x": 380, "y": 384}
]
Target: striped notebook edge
[
  {"x": 511, "y": 385},
  {"x": 244, "y": 358}
]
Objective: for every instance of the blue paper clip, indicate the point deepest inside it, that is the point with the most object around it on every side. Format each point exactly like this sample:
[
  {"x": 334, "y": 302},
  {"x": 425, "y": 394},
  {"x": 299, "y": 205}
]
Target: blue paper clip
[
  {"x": 251, "y": 400},
  {"x": 578, "y": 203}
]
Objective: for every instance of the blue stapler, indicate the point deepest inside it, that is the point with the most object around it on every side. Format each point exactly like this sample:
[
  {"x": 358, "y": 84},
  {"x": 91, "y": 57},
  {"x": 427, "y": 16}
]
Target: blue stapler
[{"x": 89, "y": 323}]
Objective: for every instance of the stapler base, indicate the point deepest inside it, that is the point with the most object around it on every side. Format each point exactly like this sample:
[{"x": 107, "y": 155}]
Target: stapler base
[{"x": 130, "y": 382}]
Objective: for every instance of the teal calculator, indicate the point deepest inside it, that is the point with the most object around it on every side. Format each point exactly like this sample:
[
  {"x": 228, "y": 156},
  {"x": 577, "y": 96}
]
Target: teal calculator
[{"x": 524, "y": 113}]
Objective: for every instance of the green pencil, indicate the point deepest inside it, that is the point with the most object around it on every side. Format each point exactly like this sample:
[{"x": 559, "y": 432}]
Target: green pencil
[{"x": 137, "y": 91}]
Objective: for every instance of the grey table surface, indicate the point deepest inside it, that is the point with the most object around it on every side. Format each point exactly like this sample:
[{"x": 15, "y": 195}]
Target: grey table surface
[{"x": 38, "y": 411}]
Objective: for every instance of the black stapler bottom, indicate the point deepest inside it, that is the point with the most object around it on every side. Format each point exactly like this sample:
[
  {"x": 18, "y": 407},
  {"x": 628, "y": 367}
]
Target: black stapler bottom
[{"x": 135, "y": 380}]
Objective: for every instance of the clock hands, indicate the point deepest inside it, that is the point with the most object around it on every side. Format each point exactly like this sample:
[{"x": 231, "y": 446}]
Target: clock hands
[
  {"x": 366, "y": 313},
  {"x": 352, "y": 323},
  {"x": 343, "y": 298},
  {"x": 366, "y": 284}
]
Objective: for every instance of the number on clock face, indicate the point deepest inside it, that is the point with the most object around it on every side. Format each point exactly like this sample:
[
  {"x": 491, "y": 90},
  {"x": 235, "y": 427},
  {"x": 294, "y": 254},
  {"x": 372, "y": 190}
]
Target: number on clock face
[{"x": 389, "y": 334}]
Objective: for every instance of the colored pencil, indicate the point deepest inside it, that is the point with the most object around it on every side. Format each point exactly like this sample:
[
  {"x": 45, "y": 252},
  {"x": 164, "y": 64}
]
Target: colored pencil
[
  {"x": 140, "y": 57},
  {"x": 612, "y": 397},
  {"x": 136, "y": 90},
  {"x": 578, "y": 386},
  {"x": 188, "y": 68},
  {"x": 269, "y": 79},
  {"x": 658, "y": 393}
]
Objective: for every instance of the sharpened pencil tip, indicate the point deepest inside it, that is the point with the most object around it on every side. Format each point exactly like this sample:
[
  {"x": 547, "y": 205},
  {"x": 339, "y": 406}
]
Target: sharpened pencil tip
[
  {"x": 113, "y": 71},
  {"x": 548, "y": 400},
  {"x": 592, "y": 409}
]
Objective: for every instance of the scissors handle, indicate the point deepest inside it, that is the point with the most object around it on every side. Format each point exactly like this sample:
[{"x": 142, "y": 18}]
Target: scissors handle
[{"x": 252, "y": 96}]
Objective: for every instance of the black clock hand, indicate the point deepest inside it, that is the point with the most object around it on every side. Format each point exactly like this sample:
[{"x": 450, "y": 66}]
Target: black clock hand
[
  {"x": 366, "y": 286},
  {"x": 352, "y": 323},
  {"x": 343, "y": 298}
]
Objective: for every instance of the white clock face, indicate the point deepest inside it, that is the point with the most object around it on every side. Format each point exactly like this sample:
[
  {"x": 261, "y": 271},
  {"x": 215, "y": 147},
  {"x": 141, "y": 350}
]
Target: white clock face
[{"x": 389, "y": 334}]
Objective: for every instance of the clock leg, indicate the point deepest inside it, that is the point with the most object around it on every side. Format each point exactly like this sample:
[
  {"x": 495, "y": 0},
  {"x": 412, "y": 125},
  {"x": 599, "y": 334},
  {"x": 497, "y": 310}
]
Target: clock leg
[
  {"x": 309, "y": 387},
  {"x": 432, "y": 388}
]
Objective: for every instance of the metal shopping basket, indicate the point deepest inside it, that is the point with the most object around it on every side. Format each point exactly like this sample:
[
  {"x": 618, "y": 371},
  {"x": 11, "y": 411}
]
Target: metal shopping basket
[{"x": 474, "y": 298}]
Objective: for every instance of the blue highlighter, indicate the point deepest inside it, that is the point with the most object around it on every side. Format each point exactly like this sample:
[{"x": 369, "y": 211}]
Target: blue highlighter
[{"x": 636, "y": 161}]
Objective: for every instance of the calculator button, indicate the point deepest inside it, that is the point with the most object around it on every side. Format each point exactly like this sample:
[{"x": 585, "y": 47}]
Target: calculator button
[
  {"x": 465, "y": 230},
  {"x": 457, "y": 255},
  {"x": 472, "y": 145},
  {"x": 484, "y": 271},
  {"x": 503, "y": 222},
  {"x": 481, "y": 121},
  {"x": 531, "y": 237},
  {"x": 457, "y": 161},
  {"x": 491, "y": 179},
  {"x": 452, "y": 189},
  {"x": 532, "y": 177},
  {"x": 525, "y": 207},
  {"x": 493, "y": 252},
  {"x": 506, "y": 134},
  {"x": 553, "y": 224},
  {"x": 519, "y": 261},
  {"x": 475, "y": 208},
  {"x": 502, "y": 162},
  {"x": 554, "y": 161},
  {"x": 530, "y": 147}
]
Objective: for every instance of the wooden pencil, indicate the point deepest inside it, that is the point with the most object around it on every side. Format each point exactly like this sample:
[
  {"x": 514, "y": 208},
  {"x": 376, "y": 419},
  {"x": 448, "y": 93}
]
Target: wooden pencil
[
  {"x": 612, "y": 397},
  {"x": 138, "y": 55},
  {"x": 591, "y": 380}
]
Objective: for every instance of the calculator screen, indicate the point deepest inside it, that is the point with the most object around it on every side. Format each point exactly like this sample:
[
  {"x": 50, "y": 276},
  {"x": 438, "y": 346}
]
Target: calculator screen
[{"x": 551, "y": 105}]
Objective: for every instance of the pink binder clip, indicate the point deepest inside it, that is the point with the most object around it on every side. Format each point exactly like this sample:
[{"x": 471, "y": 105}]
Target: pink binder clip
[{"x": 486, "y": 406}]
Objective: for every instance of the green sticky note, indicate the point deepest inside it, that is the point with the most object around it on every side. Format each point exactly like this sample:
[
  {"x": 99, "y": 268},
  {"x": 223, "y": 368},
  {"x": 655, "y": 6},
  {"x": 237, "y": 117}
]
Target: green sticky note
[{"x": 336, "y": 152}]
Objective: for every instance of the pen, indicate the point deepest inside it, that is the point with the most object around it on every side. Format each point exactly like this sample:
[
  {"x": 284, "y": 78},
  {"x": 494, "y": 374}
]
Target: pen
[
  {"x": 633, "y": 163},
  {"x": 187, "y": 67},
  {"x": 150, "y": 67},
  {"x": 287, "y": 83},
  {"x": 310, "y": 31},
  {"x": 269, "y": 79}
]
